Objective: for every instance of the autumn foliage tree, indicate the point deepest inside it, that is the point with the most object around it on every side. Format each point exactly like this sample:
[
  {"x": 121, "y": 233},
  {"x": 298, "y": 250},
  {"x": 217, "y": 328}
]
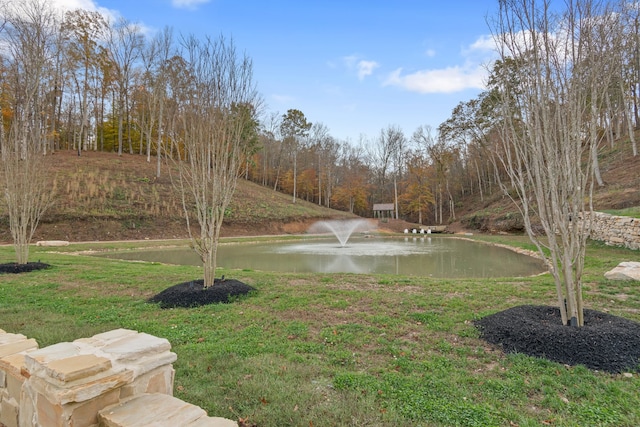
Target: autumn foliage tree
[
  {"x": 351, "y": 196},
  {"x": 417, "y": 197},
  {"x": 294, "y": 128},
  {"x": 82, "y": 31}
]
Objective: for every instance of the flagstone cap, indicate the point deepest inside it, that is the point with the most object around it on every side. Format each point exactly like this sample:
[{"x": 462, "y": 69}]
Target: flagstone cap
[
  {"x": 15, "y": 343},
  {"x": 158, "y": 410}
]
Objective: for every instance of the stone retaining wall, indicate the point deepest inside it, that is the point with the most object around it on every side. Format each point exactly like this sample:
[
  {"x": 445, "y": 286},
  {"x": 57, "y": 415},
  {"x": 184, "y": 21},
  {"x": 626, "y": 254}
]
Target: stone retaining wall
[
  {"x": 616, "y": 230},
  {"x": 118, "y": 378}
]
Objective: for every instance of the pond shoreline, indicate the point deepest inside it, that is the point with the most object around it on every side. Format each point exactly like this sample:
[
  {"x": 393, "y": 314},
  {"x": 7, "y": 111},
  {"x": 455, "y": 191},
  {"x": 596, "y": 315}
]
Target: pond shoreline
[{"x": 397, "y": 254}]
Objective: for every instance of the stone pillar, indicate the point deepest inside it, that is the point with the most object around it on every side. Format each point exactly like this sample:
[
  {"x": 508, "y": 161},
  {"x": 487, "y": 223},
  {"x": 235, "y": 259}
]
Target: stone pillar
[
  {"x": 12, "y": 348},
  {"x": 120, "y": 378},
  {"x": 148, "y": 357},
  {"x": 69, "y": 383}
]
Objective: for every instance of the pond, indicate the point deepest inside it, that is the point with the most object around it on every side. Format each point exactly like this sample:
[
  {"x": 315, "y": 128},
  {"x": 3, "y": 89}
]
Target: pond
[{"x": 443, "y": 257}]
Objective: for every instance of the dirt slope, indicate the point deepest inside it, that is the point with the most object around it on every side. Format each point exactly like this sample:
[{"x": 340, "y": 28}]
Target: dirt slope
[{"x": 103, "y": 196}]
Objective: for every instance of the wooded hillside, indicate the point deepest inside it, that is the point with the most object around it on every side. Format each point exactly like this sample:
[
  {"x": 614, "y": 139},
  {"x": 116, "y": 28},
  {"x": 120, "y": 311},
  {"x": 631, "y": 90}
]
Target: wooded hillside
[
  {"x": 103, "y": 196},
  {"x": 107, "y": 95}
]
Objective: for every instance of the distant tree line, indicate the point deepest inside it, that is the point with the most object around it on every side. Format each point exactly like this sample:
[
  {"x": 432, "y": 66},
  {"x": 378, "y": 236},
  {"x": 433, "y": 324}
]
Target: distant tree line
[{"x": 106, "y": 86}]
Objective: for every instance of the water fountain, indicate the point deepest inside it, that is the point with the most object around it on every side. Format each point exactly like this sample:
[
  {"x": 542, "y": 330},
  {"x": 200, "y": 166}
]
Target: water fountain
[
  {"x": 342, "y": 229},
  {"x": 376, "y": 253}
]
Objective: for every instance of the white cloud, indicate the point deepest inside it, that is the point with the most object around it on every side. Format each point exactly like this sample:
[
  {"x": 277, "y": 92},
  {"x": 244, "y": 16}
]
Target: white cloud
[
  {"x": 446, "y": 80},
  {"x": 472, "y": 75},
  {"x": 90, "y": 5},
  {"x": 109, "y": 15},
  {"x": 484, "y": 43},
  {"x": 74, "y": 4},
  {"x": 361, "y": 67},
  {"x": 188, "y": 4},
  {"x": 365, "y": 68},
  {"x": 350, "y": 61},
  {"x": 430, "y": 53}
]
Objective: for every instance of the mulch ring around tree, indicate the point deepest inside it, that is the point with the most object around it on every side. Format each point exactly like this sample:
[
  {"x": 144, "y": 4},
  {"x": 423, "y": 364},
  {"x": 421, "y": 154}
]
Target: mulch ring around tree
[
  {"x": 193, "y": 293},
  {"x": 605, "y": 343},
  {"x": 14, "y": 267}
]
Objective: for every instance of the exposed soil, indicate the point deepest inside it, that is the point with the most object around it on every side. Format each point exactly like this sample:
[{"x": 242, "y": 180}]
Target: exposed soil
[
  {"x": 605, "y": 342},
  {"x": 94, "y": 229},
  {"x": 101, "y": 196}
]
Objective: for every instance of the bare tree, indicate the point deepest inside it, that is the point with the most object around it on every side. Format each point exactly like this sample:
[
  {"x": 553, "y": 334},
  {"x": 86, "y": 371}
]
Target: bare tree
[
  {"x": 30, "y": 39},
  {"x": 470, "y": 127},
  {"x": 442, "y": 155},
  {"x": 326, "y": 149},
  {"x": 552, "y": 78},
  {"x": 629, "y": 80},
  {"x": 218, "y": 132},
  {"x": 156, "y": 60},
  {"x": 272, "y": 148},
  {"x": 124, "y": 45},
  {"x": 384, "y": 154}
]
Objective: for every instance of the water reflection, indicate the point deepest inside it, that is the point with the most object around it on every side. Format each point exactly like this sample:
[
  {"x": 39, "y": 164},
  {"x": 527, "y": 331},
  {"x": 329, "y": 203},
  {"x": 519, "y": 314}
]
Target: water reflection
[{"x": 418, "y": 256}]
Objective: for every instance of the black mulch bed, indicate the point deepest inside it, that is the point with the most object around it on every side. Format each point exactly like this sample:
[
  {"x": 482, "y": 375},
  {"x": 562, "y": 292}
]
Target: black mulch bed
[
  {"x": 14, "y": 267},
  {"x": 605, "y": 342},
  {"x": 193, "y": 294}
]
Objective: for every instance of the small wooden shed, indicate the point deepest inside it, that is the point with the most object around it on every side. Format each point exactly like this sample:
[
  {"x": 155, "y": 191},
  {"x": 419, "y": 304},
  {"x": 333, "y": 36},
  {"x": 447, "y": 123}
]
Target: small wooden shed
[{"x": 383, "y": 210}]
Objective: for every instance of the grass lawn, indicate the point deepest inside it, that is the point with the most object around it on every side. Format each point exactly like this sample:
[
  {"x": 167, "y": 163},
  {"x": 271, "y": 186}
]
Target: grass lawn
[
  {"x": 337, "y": 349},
  {"x": 633, "y": 212}
]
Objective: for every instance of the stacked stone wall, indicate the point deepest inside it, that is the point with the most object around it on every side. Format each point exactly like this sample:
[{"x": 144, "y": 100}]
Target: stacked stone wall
[
  {"x": 616, "y": 230},
  {"x": 118, "y": 378}
]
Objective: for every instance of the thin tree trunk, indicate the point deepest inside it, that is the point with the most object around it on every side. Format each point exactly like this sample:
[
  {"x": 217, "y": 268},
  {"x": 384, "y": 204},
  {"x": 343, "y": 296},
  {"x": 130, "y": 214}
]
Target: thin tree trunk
[
  {"x": 479, "y": 181},
  {"x": 594, "y": 147},
  {"x": 295, "y": 173},
  {"x": 395, "y": 196}
]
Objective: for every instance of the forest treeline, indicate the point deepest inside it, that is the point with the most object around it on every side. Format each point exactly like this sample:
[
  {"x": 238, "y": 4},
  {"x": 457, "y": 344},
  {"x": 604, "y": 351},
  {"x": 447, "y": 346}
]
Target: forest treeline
[{"x": 107, "y": 86}]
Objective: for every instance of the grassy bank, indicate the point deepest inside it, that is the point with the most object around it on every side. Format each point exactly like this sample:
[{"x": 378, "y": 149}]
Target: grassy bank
[{"x": 337, "y": 349}]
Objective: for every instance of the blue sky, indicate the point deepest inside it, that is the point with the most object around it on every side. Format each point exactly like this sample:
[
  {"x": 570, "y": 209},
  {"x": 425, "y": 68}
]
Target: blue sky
[{"x": 355, "y": 66}]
